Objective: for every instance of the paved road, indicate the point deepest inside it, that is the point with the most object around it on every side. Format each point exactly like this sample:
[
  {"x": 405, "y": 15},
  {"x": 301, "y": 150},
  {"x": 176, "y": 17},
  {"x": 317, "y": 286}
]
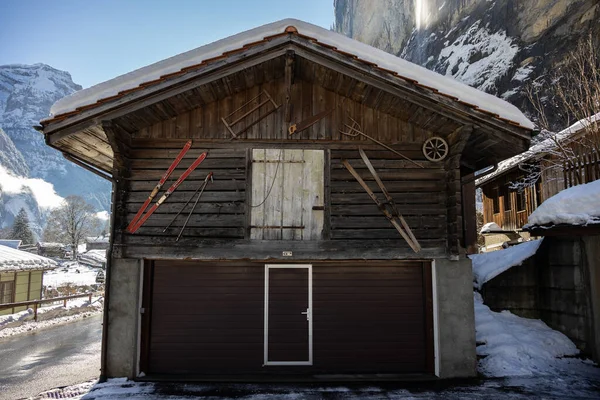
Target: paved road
[{"x": 52, "y": 357}]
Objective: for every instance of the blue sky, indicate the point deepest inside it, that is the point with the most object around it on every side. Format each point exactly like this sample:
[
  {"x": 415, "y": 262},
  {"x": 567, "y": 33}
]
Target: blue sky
[{"x": 96, "y": 40}]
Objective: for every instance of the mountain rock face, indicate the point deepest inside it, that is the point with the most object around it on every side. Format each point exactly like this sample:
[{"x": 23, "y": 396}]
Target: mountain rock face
[
  {"x": 10, "y": 157},
  {"x": 496, "y": 46},
  {"x": 26, "y": 94}
]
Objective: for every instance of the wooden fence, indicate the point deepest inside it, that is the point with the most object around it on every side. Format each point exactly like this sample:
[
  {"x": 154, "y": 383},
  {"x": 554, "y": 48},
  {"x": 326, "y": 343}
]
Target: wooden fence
[
  {"x": 35, "y": 303},
  {"x": 581, "y": 168}
]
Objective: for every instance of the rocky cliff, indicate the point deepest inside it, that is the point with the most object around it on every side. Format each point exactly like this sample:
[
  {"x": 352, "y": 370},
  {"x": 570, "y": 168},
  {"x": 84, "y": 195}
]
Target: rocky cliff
[
  {"x": 26, "y": 94},
  {"x": 497, "y": 46}
]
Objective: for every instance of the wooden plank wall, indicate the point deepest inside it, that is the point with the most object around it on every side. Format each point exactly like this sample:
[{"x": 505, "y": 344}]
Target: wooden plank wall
[
  {"x": 420, "y": 193},
  {"x": 307, "y": 100},
  {"x": 221, "y": 210},
  {"x": 507, "y": 219}
]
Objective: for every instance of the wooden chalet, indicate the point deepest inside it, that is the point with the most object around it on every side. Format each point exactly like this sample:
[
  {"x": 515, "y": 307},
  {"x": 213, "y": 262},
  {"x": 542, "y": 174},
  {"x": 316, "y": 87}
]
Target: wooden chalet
[
  {"x": 286, "y": 267},
  {"x": 571, "y": 157},
  {"x": 21, "y": 277}
]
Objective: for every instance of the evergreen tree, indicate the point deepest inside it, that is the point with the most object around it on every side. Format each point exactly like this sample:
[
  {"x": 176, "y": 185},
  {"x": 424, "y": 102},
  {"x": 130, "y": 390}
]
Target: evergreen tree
[{"x": 21, "y": 228}]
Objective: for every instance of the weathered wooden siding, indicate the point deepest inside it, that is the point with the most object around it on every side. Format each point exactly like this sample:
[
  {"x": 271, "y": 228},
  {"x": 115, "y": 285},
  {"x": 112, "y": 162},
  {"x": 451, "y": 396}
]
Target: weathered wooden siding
[
  {"x": 418, "y": 193},
  {"x": 307, "y": 100},
  {"x": 422, "y": 194},
  {"x": 221, "y": 210},
  {"x": 513, "y": 218}
]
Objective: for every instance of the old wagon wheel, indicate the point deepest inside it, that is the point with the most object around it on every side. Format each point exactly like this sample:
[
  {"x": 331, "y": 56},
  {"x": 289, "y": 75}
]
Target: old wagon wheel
[{"x": 435, "y": 149}]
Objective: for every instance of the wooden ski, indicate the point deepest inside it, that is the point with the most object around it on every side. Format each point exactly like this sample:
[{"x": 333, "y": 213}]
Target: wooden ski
[
  {"x": 389, "y": 198},
  {"x": 381, "y": 206},
  {"x": 159, "y": 185},
  {"x": 169, "y": 191},
  {"x": 201, "y": 187},
  {"x": 204, "y": 184}
]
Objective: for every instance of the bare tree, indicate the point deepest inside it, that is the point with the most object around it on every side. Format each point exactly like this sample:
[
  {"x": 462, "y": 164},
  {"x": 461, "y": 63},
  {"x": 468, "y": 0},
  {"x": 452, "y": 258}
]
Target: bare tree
[
  {"x": 574, "y": 93},
  {"x": 71, "y": 222}
]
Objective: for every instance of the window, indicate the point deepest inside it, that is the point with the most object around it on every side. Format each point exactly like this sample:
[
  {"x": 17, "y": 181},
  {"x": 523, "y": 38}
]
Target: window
[
  {"x": 506, "y": 194},
  {"x": 496, "y": 200},
  {"x": 7, "y": 292},
  {"x": 521, "y": 200}
]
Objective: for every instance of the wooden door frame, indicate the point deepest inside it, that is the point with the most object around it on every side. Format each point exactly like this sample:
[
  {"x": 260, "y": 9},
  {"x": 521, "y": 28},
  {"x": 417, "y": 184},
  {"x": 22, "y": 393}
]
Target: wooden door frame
[{"x": 266, "y": 361}]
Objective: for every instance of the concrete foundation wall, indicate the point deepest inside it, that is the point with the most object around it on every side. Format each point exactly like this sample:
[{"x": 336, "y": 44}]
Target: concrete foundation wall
[
  {"x": 456, "y": 318},
  {"x": 123, "y": 313}
]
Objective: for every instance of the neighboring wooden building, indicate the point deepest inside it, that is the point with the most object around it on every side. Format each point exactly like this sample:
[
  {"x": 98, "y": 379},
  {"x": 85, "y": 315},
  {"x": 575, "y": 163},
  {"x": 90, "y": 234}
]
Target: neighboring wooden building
[
  {"x": 21, "y": 276},
  {"x": 509, "y": 207},
  {"x": 287, "y": 266},
  {"x": 49, "y": 249},
  {"x": 96, "y": 243}
]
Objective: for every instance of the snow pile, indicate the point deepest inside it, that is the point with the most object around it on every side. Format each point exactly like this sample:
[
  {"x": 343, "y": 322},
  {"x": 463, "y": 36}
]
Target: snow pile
[
  {"x": 490, "y": 227},
  {"x": 18, "y": 260},
  {"x": 42, "y": 191},
  {"x": 577, "y": 205},
  {"x": 515, "y": 346},
  {"x": 384, "y": 60},
  {"x": 93, "y": 258},
  {"x": 479, "y": 57},
  {"x": 487, "y": 266},
  {"x": 23, "y": 321}
]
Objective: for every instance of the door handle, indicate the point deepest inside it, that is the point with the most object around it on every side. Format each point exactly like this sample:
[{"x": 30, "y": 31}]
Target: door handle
[{"x": 307, "y": 313}]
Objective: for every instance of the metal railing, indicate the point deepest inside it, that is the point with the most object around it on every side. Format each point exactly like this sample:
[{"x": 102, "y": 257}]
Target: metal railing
[{"x": 35, "y": 303}]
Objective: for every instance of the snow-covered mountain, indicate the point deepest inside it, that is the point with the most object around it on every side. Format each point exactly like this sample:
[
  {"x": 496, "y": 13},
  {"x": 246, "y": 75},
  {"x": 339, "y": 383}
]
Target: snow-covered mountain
[
  {"x": 26, "y": 94},
  {"x": 10, "y": 157},
  {"x": 497, "y": 46}
]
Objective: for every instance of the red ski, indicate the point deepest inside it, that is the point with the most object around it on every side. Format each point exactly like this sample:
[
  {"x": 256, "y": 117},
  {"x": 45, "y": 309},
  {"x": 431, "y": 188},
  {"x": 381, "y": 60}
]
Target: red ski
[
  {"x": 169, "y": 191},
  {"x": 159, "y": 185}
]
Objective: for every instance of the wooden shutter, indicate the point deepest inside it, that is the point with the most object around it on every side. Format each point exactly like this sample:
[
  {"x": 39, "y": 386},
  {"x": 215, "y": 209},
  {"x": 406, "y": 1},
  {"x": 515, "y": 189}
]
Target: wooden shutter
[{"x": 293, "y": 209}]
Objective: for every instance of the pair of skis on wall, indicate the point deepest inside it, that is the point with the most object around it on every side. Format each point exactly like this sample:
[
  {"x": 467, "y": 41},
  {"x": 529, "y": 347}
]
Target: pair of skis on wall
[
  {"x": 140, "y": 218},
  {"x": 388, "y": 208}
]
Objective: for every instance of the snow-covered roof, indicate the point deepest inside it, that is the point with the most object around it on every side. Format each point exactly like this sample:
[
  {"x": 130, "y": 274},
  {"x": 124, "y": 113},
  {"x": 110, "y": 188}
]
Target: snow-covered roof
[
  {"x": 577, "y": 205},
  {"x": 539, "y": 149},
  {"x": 487, "y": 266},
  {"x": 10, "y": 243},
  {"x": 13, "y": 260},
  {"x": 422, "y": 76},
  {"x": 96, "y": 239},
  {"x": 48, "y": 245}
]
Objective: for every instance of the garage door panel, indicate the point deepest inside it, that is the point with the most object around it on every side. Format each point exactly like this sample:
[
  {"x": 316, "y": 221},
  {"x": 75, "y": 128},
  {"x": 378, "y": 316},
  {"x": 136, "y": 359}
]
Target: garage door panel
[{"x": 208, "y": 319}]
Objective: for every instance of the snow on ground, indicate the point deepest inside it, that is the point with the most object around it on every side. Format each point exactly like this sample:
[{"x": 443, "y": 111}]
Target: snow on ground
[
  {"x": 487, "y": 266},
  {"x": 67, "y": 273},
  {"x": 511, "y": 388},
  {"x": 22, "y": 322},
  {"x": 516, "y": 346},
  {"x": 577, "y": 205}
]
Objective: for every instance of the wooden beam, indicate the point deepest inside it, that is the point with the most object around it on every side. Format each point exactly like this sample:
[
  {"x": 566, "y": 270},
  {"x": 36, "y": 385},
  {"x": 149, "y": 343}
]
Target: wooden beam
[
  {"x": 168, "y": 88},
  {"x": 232, "y": 249},
  {"x": 289, "y": 81},
  {"x": 119, "y": 141}
]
